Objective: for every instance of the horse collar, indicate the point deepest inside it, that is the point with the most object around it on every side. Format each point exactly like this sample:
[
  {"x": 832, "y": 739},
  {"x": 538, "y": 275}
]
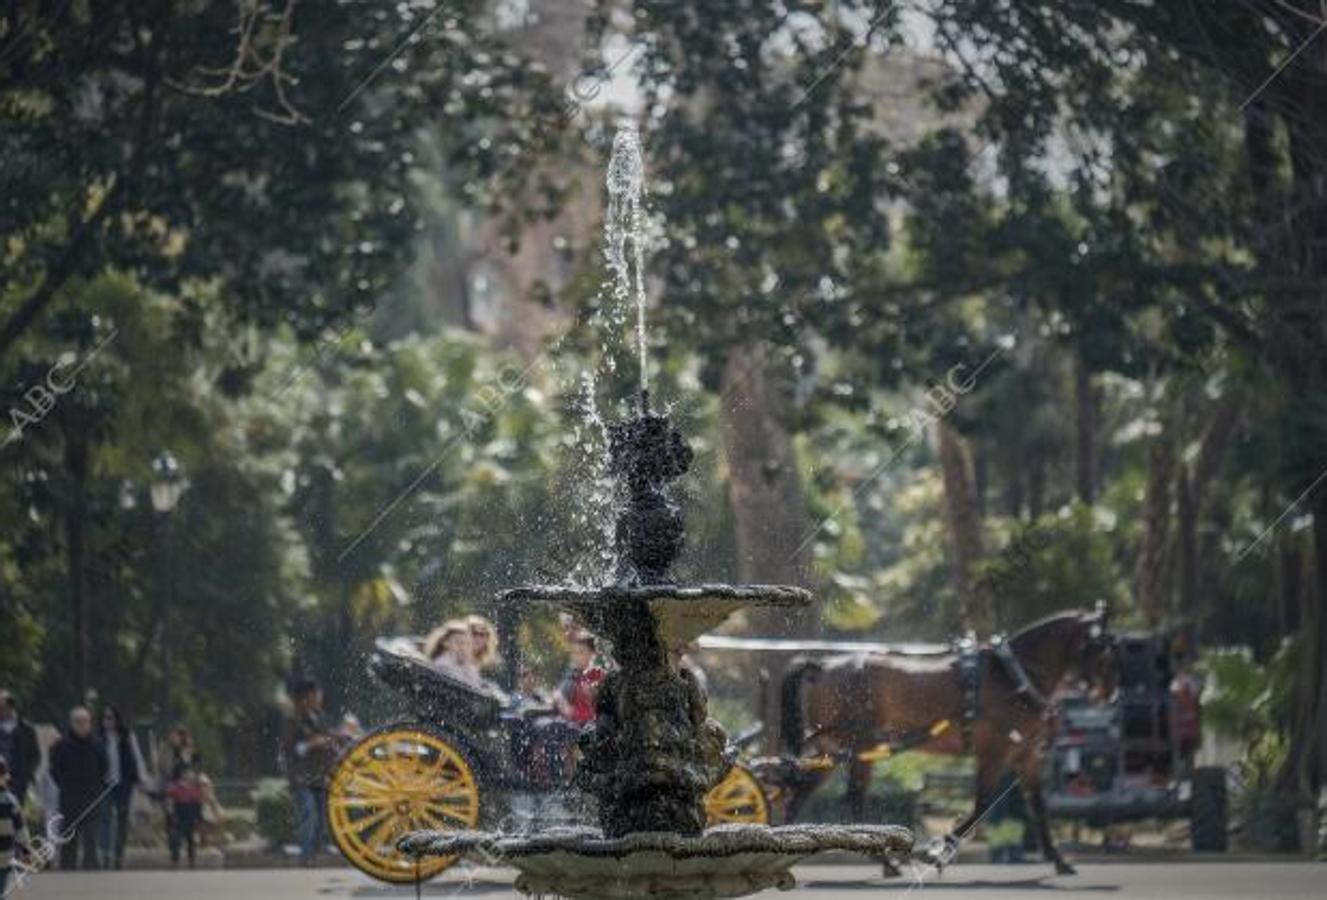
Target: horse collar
[{"x": 1022, "y": 683}]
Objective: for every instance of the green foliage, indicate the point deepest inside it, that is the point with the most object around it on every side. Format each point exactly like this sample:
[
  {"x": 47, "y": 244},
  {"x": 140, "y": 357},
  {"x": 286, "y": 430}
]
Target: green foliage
[
  {"x": 21, "y": 637},
  {"x": 279, "y": 159},
  {"x": 886, "y": 801},
  {"x": 1251, "y": 703},
  {"x": 1005, "y": 833},
  {"x": 1236, "y": 692},
  {"x": 1056, "y": 562},
  {"x": 274, "y": 813}
]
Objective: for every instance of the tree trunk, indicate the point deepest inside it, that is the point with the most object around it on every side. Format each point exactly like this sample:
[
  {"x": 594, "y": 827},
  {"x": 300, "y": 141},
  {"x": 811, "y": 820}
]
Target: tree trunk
[
  {"x": 1035, "y": 462},
  {"x": 1151, "y": 579},
  {"x": 964, "y": 523},
  {"x": 1186, "y": 523},
  {"x": 1304, "y": 766},
  {"x": 1316, "y": 764},
  {"x": 773, "y": 532},
  {"x": 75, "y": 523},
  {"x": 1012, "y": 457},
  {"x": 1290, "y": 565},
  {"x": 1191, "y": 487},
  {"x": 1085, "y": 406},
  {"x": 981, "y": 474}
]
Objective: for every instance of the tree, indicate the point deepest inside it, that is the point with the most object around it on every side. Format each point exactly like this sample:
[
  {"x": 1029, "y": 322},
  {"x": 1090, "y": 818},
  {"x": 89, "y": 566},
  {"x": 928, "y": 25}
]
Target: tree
[{"x": 264, "y": 143}]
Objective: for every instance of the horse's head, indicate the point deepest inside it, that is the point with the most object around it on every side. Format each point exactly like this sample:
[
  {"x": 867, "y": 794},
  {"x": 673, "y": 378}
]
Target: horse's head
[{"x": 1095, "y": 650}]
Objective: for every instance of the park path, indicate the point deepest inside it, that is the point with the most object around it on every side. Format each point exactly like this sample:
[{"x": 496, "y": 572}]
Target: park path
[{"x": 1134, "y": 881}]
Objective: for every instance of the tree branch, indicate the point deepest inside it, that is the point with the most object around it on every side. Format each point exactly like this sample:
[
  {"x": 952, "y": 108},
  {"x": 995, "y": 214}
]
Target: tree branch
[{"x": 57, "y": 276}]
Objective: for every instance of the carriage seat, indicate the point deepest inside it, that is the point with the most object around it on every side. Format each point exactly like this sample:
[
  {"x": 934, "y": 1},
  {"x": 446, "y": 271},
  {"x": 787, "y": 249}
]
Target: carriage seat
[{"x": 434, "y": 695}]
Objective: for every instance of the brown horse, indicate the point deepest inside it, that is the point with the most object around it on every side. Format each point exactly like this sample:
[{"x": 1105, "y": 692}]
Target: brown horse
[{"x": 848, "y": 706}]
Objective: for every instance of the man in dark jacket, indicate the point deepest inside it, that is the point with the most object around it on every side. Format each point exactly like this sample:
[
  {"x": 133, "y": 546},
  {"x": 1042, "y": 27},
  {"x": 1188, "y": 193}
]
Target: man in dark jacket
[
  {"x": 18, "y": 745},
  {"x": 310, "y": 750},
  {"x": 78, "y": 768}
]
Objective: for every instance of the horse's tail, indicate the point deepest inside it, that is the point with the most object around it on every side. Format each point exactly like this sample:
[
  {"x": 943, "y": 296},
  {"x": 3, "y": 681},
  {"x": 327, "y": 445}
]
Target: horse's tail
[{"x": 790, "y": 697}]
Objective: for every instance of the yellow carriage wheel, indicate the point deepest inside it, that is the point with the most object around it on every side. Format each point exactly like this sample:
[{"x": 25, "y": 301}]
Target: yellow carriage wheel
[
  {"x": 391, "y": 783},
  {"x": 738, "y": 798}
]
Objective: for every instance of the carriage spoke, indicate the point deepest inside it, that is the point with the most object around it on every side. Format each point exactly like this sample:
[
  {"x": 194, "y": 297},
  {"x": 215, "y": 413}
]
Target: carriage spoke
[
  {"x": 432, "y": 821},
  {"x": 458, "y": 802},
  {"x": 453, "y": 790},
  {"x": 371, "y": 821},
  {"x": 463, "y": 816},
  {"x": 384, "y": 833},
  {"x": 367, "y": 783}
]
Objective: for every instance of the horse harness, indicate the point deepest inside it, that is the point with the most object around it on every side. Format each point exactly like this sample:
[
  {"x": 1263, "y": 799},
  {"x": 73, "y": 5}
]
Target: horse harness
[
  {"x": 1023, "y": 686},
  {"x": 970, "y": 672}
]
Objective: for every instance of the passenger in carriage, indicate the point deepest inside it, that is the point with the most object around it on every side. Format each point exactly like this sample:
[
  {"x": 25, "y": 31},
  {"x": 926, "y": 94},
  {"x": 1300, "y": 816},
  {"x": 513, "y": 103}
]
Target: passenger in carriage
[
  {"x": 450, "y": 648},
  {"x": 575, "y": 696},
  {"x": 483, "y": 645}
]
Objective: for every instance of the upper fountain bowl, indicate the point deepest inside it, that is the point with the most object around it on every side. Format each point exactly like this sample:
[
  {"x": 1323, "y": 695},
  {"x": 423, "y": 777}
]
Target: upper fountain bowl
[{"x": 681, "y": 613}]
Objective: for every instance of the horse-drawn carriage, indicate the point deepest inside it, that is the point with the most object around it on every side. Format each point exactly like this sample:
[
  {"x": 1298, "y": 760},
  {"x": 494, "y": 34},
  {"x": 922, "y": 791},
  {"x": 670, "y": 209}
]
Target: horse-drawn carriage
[
  {"x": 468, "y": 755},
  {"x": 853, "y": 705}
]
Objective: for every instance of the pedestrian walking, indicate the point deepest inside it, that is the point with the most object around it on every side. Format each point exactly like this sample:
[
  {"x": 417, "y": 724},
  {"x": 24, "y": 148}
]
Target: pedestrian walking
[
  {"x": 78, "y": 768},
  {"x": 125, "y": 771},
  {"x": 182, "y": 750},
  {"x": 309, "y": 749},
  {"x": 184, "y": 798},
  {"x": 18, "y": 747},
  {"x": 14, "y": 840},
  {"x": 182, "y": 754}
]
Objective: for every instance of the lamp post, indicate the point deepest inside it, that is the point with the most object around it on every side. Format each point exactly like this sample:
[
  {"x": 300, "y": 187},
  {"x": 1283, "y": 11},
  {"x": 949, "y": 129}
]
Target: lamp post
[{"x": 167, "y": 487}]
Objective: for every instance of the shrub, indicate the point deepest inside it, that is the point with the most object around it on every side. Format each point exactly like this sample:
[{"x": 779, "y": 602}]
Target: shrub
[{"x": 274, "y": 812}]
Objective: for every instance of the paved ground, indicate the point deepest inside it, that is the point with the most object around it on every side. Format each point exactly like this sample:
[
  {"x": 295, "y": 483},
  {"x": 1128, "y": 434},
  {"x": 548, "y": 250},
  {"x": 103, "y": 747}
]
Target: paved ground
[{"x": 1153, "y": 881}]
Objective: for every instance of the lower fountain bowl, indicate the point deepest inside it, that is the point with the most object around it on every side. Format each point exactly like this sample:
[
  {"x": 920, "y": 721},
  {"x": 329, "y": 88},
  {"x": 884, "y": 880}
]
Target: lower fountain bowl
[{"x": 725, "y": 861}]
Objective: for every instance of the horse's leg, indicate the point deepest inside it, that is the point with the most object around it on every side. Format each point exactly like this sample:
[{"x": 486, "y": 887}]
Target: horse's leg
[
  {"x": 1029, "y": 775},
  {"x": 859, "y": 782},
  {"x": 859, "y": 785},
  {"x": 990, "y": 766}
]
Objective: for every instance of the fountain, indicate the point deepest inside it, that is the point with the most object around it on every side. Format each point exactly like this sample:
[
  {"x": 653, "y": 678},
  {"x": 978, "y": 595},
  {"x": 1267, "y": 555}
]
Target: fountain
[{"x": 652, "y": 752}]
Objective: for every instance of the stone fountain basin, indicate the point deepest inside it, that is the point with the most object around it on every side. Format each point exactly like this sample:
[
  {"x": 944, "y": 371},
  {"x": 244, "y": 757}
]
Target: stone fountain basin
[
  {"x": 725, "y": 861},
  {"x": 682, "y": 612}
]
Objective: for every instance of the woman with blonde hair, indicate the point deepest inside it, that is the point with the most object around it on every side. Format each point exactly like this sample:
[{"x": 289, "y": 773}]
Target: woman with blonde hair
[
  {"x": 449, "y": 648},
  {"x": 483, "y": 643}
]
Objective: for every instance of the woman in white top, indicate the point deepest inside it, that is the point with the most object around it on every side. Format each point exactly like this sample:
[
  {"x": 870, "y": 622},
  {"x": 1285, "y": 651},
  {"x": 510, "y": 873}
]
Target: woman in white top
[
  {"x": 125, "y": 770},
  {"x": 449, "y": 647}
]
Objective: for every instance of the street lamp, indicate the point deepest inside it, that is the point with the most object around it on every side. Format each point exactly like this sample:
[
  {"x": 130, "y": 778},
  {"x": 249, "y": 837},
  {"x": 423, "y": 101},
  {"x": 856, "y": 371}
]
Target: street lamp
[{"x": 167, "y": 487}]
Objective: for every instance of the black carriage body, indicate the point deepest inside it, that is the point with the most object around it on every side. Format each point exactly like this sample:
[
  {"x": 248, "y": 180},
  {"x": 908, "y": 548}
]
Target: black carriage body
[
  {"x": 484, "y": 762},
  {"x": 472, "y": 717}
]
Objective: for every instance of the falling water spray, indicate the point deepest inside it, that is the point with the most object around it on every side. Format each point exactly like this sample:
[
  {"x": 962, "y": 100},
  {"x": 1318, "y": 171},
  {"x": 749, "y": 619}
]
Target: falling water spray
[{"x": 625, "y": 223}]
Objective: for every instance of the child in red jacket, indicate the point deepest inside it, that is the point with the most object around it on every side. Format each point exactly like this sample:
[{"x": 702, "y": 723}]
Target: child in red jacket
[{"x": 576, "y": 694}]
